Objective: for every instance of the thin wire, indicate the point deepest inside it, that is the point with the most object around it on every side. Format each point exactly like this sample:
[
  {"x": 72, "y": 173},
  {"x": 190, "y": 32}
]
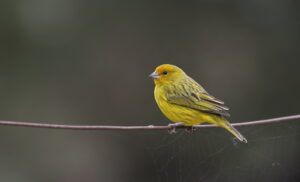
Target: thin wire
[{"x": 150, "y": 127}]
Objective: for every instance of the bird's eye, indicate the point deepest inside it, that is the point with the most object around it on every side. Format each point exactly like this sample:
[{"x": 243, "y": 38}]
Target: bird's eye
[{"x": 165, "y": 72}]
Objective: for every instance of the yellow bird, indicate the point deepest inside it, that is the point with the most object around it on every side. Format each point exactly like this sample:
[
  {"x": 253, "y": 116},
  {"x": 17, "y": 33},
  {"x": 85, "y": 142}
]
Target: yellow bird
[{"x": 185, "y": 102}]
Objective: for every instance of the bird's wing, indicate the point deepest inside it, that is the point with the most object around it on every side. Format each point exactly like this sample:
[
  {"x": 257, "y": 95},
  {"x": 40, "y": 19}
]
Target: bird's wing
[{"x": 194, "y": 97}]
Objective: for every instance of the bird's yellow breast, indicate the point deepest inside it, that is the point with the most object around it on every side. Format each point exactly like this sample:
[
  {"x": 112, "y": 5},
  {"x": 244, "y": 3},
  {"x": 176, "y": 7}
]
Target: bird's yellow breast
[{"x": 178, "y": 113}]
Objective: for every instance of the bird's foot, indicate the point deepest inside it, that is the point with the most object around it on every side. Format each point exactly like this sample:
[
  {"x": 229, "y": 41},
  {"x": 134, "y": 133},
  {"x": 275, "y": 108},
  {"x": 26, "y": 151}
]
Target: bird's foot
[
  {"x": 190, "y": 129},
  {"x": 173, "y": 126}
]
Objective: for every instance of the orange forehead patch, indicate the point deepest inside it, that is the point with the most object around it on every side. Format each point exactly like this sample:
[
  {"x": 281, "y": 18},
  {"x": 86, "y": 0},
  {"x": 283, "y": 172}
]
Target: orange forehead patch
[{"x": 165, "y": 67}]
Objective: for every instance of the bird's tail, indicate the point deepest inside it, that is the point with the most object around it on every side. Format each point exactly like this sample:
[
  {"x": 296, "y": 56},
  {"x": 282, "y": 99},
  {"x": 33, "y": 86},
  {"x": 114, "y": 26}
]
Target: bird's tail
[{"x": 225, "y": 124}]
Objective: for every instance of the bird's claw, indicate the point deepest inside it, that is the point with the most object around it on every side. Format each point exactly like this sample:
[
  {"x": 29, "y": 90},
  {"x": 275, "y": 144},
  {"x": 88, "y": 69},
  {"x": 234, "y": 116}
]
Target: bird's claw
[
  {"x": 173, "y": 126},
  {"x": 172, "y": 130},
  {"x": 190, "y": 129}
]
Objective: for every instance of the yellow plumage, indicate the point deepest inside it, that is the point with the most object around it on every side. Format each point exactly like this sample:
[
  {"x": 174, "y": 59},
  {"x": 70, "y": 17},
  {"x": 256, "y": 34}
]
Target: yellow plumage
[{"x": 181, "y": 99}]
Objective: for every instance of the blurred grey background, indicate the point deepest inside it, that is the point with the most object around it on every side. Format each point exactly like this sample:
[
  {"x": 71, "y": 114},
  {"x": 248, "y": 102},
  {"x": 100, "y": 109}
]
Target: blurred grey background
[{"x": 87, "y": 63}]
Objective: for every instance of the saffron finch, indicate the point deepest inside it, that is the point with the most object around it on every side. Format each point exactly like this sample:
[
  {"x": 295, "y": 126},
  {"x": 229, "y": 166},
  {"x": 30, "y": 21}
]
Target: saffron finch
[{"x": 185, "y": 102}]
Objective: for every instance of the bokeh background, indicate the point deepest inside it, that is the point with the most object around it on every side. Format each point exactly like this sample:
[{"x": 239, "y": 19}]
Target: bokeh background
[{"x": 87, "y": 63}]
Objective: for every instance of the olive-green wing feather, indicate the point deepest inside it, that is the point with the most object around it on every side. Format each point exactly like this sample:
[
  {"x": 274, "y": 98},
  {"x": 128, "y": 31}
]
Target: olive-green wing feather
[{"x": 192, "y": 95}]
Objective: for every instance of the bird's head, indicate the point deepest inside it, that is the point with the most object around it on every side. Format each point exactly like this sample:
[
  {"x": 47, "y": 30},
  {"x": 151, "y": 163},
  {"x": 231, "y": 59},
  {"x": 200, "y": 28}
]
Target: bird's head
[{"x": 166, "y": 73}]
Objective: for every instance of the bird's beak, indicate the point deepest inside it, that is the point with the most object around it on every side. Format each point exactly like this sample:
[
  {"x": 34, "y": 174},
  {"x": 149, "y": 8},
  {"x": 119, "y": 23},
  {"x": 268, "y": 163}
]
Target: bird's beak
[{"x": 154, "y": 75}]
